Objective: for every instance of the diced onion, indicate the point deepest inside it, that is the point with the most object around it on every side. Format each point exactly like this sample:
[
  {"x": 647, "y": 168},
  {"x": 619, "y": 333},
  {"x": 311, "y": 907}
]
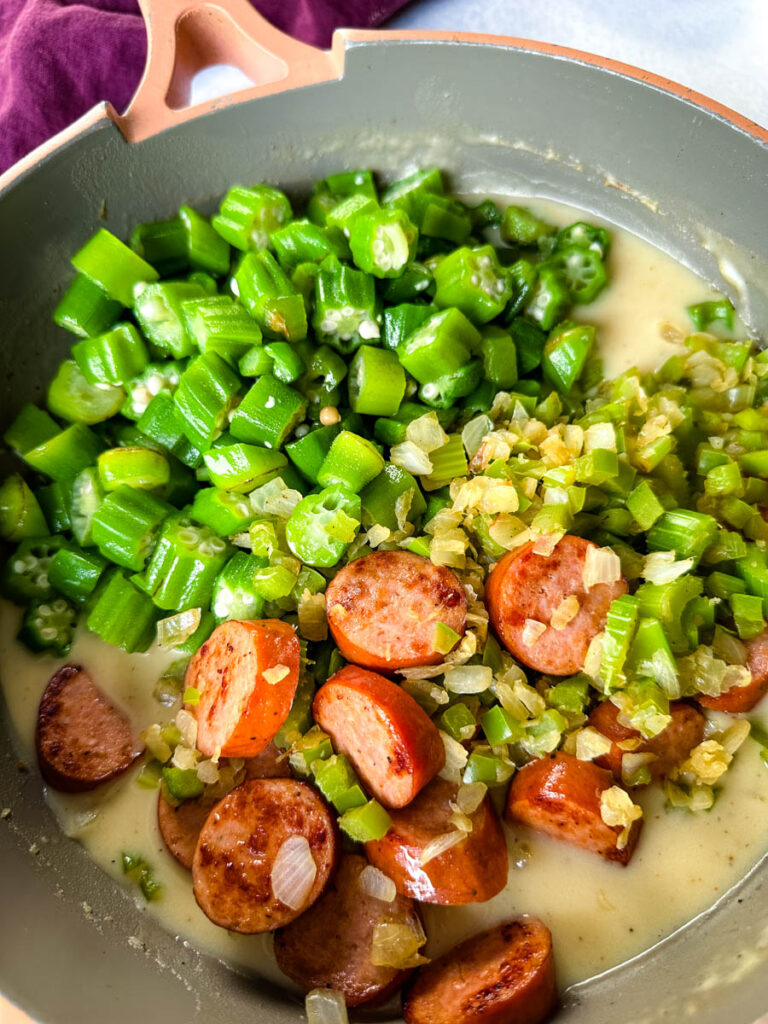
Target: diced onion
[
  {"x": 455, "y": 757},
  {"x": 473, "y": 433},
  {"x": 177, "y": 628},
  {"x": 409, "y": 456},
  {"x": 734, "y": 735},
  {"x": 661, "y": 567},
  {"x": 275, "y": 674},
  {"x": 325, "y": 1006},
  {"x": 728, "y": 647},
  {"x": 440, "y": 844},
  {"x": 155, "y": 744},
  {"x": 634, "y": 768},
  {"x": 377, "y": 535},
  {"x": 470, "y": 795},
  {"x": 708, "y": 761},
  {"x": 293, "y": 872},
  {"x": 617, "y": 809},
  {"x": 591, "y": 744},
  {"x": 185, "y": 758},
  {"x": 565, "y": 612},
  {"x": 547, "y": 543},
  {"x": 468, "y": 679},
  {"x": 600, "y": 436},
  {"x": 208, "y": 772},
  {"x": 403, "y": 504},
  {"x": 396, "y": 944},
  {"x": 426, "y": 433},
  {"x": 460, "y": 820},
  {"x": 186, "y": 723},
  {"x": 601, "y": 565},
  {"x": 594, "y": 656},
  {"x": 313, "y": 621},
  {"x": 532, "y": 630},
  {"x": 376, "y": 884}
]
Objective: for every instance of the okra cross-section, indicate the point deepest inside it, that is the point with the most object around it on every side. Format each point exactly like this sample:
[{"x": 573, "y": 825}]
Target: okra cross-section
[{"x": 473, "y": 281}]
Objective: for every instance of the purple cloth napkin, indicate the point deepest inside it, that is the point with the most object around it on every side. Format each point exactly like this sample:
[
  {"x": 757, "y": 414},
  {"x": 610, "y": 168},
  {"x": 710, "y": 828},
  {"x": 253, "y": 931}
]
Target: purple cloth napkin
[{"x": 60, "y": 57}]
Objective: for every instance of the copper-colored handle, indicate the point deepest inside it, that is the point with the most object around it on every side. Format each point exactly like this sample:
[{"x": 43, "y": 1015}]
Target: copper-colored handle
[{"x": 185, "y": 36}]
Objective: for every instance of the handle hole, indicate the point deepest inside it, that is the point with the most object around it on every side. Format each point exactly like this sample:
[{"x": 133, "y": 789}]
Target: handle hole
[
  {"x": 217, "y": 80},
  {"x": 208, "y": 36}
]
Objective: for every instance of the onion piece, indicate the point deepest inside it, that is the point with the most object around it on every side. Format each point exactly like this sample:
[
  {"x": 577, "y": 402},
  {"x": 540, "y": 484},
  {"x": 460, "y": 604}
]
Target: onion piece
[
  {"x": 177, "y": 628},
  {"x": 426, "y": 433},
  {"x": 186, "y": 723},
  {"x": 325, "y": 1006},
  {"x": 376, "y": 884},
  {"x": 567, "y": 610},
  {"x": 660, "y": 567},
  {"x": 470, "y": 796},
  {"x": 532, "y": 630},
  {"x": 409, "y": 456},
  {"x": 468, "y": 679},
  {"x": 601, "y": 565},
  {"x": 293, "y": 872},
  {"x": 275, "y": 674},
  {"x": 456, "y": 757},
  {"x": 396, "y": 944},
  {"x": 440, "y": 844}
]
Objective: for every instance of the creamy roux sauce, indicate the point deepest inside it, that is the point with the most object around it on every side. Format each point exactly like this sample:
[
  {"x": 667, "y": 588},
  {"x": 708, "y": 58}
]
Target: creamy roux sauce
[{"x": 600, "y": 914}]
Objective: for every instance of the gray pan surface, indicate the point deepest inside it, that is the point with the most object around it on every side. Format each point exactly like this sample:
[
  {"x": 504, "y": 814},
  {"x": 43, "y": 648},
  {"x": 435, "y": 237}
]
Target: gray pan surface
[{"x": 497, "y": 119}]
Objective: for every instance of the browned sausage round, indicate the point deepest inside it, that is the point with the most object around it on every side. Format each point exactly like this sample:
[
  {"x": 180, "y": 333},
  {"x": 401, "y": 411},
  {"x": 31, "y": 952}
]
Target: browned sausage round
[
  {"x": 82, "y": 739},
  {"x": 740, "y": 699},
  {"x": 524, "y": 585},
  {"x": 471, "y": 872},
  {"x": 502, "y": 976},
  {"x": 560, "y": 796},
  {"x": 180, "y": 826},
  {"x": 383, "y": 609},
  {"x": 330, "y": 946},
  {"x": 670, "y": 747},
  {"x": 236, "y": 851},
  {"x": 240, "y": 710},
  {"x": 392, "y": 743}
]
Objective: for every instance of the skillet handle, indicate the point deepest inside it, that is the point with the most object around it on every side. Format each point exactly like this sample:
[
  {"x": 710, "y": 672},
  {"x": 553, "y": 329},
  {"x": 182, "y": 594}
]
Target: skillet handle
[{"x": 185, "y": 36}]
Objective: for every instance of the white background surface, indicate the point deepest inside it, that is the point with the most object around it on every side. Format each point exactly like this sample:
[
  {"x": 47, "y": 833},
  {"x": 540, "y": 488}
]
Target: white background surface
[{"x": 718, "y": 47}]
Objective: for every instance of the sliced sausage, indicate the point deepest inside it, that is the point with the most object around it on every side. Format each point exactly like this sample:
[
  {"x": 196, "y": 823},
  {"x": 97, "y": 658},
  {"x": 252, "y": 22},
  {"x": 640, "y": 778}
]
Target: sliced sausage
[
  {"x": 670, "y": 747},
  {"x": 740, "y": 699},
  {"x": 82, "y": 739},
  {"x": 238, "y": 844},
  {"x": 383, "y": 609},
  {"x": 526, "y": 586},
  {"x": 180, "y": 826},
  {"x": 392, "y": 743},
  {"x": 471, "y": 872},
  {"x": 271, "y": 763},
  {"x": 240, "y": 711},
  {"x": 503, "y": 976},
  {"x": 330, "y": 947},
  {"x": 560, "y": 796}
]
